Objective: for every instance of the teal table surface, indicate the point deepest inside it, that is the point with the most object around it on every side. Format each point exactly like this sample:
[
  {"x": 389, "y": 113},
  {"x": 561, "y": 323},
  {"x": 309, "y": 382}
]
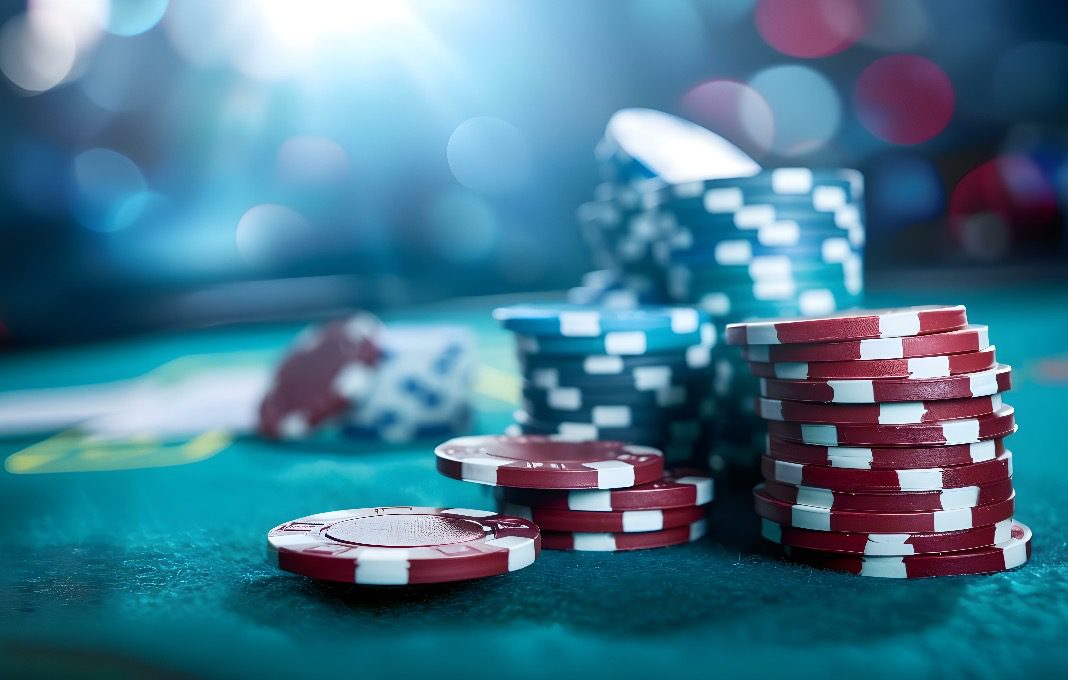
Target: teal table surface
[{"x": 154, "y": 564}]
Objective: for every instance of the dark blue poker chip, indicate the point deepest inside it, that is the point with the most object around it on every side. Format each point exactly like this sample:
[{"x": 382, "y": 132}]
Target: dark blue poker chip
[{"x": 564, "y": 320}]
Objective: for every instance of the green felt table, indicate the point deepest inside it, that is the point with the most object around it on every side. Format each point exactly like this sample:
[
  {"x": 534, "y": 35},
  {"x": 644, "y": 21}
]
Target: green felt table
[{"x": 150, "y": 560}]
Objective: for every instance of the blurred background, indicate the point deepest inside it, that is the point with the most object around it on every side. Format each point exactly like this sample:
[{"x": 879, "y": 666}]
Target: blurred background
[{"x": 194, "y": 162}]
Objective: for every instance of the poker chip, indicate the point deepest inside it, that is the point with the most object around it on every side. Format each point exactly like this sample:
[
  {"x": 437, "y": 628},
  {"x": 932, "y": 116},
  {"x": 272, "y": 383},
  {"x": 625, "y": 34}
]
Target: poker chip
[
  {"x": 403, "y": 545},
  {"x": 901, "y": 412},
  {"x": 626, "y": 521},
  {"x": 913, "y": 479},
  {"x": 917, "y": 368},
  {"x": 621, "y": 343},
  {"x": 890, "y": 545},
  {"x": 854, "y": 325},
  {"x": 678, "y": 431},
  {"x": 618, "y": 542},
  {"x": 575, "y": 321},
  {"x": 326, "y": 371},
  {"x": 565, "y": 399},
  {"x": 972, "y": 338},
  {"x": 868, "y": 391},
  {"x": 823, "y": 519},
  {"x": 678, "y": 489},
  {"x": 540, "y": 462},
  {"x": 889, "y": 501},
  {"x": 961, "y": 431},
  {"x": 618, "y": 415},
  {"x": 1003, "y": 556},
  {"x": 887, "y": 458}
]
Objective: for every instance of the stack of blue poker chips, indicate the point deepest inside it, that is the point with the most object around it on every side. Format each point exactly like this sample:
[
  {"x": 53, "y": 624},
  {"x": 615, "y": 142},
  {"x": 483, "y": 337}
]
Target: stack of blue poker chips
[
  {"x": 641, "y": 375},
  {"x": 782, "y": 243},
  {"x": 683, "y": 216}
]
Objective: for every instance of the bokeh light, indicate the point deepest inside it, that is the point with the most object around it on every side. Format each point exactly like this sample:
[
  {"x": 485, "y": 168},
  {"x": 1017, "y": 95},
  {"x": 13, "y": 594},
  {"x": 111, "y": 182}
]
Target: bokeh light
[
  {"x": 109, "y": 190},
  {"x": 1010, "y": 190},
  {"x": 308, "y": 160},
  {"x": 126, "y": 74},
  {"x": 271, "y": 235},
  {"x": 37, "y": 50},
  {"x": 904, "y": 99},
  {"x": 132, "y": 17},
  {"x": 805, "y": 106},
  {"x": 809, "y": 28},
  {"x": 463, "y": 227},
  {"x": 734, "y": 110},
  {"x": 488, "y": 155},
  {"x": 903, "y": 189}
]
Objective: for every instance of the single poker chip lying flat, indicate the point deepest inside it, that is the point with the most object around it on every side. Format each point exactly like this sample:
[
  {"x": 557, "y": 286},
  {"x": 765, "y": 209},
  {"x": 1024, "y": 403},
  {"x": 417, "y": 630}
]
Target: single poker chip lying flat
[
  {"x": 919, "y": 368},
  {"x": 899, "y": 413},
  {"x": 578, "y": 321},
  {"x": 823, "y": 519},
  {"x": 1000, "y": 557},
  {"x": 627, "y": 521},
  {"x": 851, "y": 325},
  {"x": 887, "y": 458},
  {"x": 972, "y": 338},
  {"x": 541, "y": 462},
  {"x": 883, "y": 390},
  {"x": 403, "y": 545},
  {"x": 962, "y": 431},
  {"x": 327, "y": 371},
  {"x": 887, "y": 545},
  {"x": 678, "y": 489},
  {"x": 887, "y": 501},
  {"x": 618, "y": 542},
  {"x": 917, "y": 479}
]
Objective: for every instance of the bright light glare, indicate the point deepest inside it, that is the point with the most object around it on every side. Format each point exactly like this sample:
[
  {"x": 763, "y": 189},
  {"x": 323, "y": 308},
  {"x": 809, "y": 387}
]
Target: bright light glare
[{"x": 304, "y": 24}]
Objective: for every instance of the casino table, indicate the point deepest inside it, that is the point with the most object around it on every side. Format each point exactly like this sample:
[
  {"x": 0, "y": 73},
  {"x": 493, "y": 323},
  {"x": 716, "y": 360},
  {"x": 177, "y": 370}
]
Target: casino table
[{"x": 147, "y": 558}]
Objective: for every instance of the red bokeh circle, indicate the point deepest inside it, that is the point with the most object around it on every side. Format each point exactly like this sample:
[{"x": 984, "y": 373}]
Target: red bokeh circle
[{"x": 904, "y": 99}]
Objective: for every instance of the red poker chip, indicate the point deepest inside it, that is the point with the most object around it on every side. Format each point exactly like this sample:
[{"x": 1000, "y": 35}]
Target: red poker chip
[
  {"x": 627, "y": 521},
  {"x": 996, "y": 558},
  {"x": 889, "y": 501},
  {"x": 882, "y": 390},
  {"x": 887, "y": 545},
  {"x": 917, "y": 479},
  {"x": 899, "y": 413},
  {"x": 679, "y": 488},
  {"x": 617, "y": 542},
  {"x": 894, "y": 458},
  {"x": 850, "y": 325},
  {"x": 326, "y": 372},
  {"x": 547, "y": 462},
  {"x": 961, "y": 431},
  {"x": 822, "y": 519},
  {"x": 971, "y": 339},
  {"x": 918, "y": 368},
  {"x": 403, "y": 545}
]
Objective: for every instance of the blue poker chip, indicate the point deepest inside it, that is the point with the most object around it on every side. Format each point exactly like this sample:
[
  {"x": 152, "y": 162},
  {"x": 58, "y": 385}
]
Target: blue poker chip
[
  {"x": 684, "y": 249},
  {"x": 649, "y": 369},
  {"x": 621, "y": 415},
  {"x": 823, "y": 188},
  {"x": 580, "y": 321},
  {"x": 676, "y": 432},
  {"x": 567, "y": 398},
  {"x": 618, "y": 343}
]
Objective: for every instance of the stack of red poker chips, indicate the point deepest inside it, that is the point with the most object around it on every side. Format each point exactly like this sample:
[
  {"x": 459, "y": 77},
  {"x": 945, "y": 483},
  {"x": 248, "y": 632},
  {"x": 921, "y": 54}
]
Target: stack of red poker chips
[
  {"x": 584, "y": 495},
  {"x": 886, "y": 448}
]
